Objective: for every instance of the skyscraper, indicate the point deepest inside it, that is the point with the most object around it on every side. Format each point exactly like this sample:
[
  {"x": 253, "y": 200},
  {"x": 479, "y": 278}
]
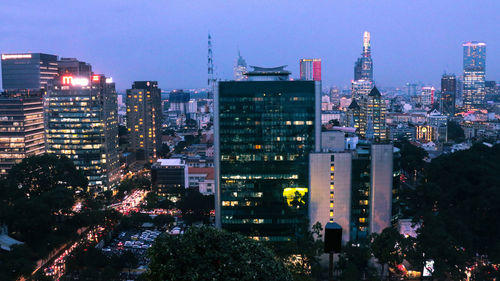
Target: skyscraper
[
  {"x": 72, "y": 66},
  {"x": 28, "y": 70},
  {"x": 82, "y": 124},
  {"x": 363, "y": 68},
  {"x": 21, "y": 127},
  {"x": 240, "y": 68},
  {"x": 144, "y": 119},
  {"x": 265, "y": 129},
  {"x": 310, "y": 69},
  {"x": 474, "y": 74},
  {"x": 448, "y": 94},
  {"x": 374, "y": 109},
  {"x": 427, "y": 96}
]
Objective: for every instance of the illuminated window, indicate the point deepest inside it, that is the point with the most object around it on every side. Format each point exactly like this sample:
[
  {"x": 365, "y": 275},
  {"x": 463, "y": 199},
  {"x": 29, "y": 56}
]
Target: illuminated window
[
  {"x": 331, "y": 213},
  {"x": 332, "y": 168},
  {"x": 258, "y": 146}
]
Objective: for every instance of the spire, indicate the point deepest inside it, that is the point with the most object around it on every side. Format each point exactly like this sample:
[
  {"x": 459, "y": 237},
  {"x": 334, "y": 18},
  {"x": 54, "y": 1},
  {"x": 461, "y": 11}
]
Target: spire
[
  {"x": 374, "y": 92},
  {"x": 366, "y": 44}
]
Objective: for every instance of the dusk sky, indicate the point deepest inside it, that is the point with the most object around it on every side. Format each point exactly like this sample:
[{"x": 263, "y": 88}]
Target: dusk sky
[{"x": 412, "y": 40}]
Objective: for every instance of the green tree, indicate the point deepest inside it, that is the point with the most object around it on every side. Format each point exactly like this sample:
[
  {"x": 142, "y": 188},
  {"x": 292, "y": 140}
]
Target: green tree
[
  {"x": 196, "y": 206},
  {"x": 386, "y": 248},
  {"x": 210, "y": 254},
  {"x": 412, "y": 157},
  {"x": 161, "y": 220},
  {"x": 457, "y": 207},
  {"x": 455, "y": 132}
]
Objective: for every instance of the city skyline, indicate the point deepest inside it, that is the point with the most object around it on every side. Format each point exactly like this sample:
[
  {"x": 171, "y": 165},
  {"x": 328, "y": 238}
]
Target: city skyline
[{"x": 401, "y": 52}]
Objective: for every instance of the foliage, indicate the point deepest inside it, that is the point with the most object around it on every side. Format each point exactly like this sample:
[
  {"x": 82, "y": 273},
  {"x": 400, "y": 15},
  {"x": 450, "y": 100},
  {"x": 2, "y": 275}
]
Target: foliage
[
  {"x": 458, "y": 207},
  {"x": 412, "y": 157},
  {"x": 302, "y": 254},
  {"x": 386, "y": 248},
  {"x": 134, "y": 220},
  {"x": 354, "y": 262},
  {"x": 161, "y": 220},
  {"x": 455, "y": 132},
  {"x": 91, "y": 264},
  {"x": 16, "y": 263},
  {"x": 210, "y": 254},
  {"x": 196, "y": 206}
]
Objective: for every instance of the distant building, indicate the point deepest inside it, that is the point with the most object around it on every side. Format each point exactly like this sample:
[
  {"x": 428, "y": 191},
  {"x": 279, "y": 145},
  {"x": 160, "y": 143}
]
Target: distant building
[
  {"x": 491, "y": 88},
  {"x": 31, "y": 71},
  {"x": 144, "y": 119},
  {"x": 21, "y": 127},
  {"x": 72, "y": 66},
  {"x": 264, "y": 130},
  {"x": 361, "y": 88},
  {"x": 427, "y": 96},
  {"x": 448, "y": 94},
  {"x": 169, "y": 177},
  {"x": 372, "y": 117},
  {"x": 240, "y": 68},
  {"x": 179, "y": 101},
  {"x": 363, "y": 68},
  {"x": 82, "y": 124},
  {"x": 474, "y": 74},
  {"x": 310, "y": 69}
]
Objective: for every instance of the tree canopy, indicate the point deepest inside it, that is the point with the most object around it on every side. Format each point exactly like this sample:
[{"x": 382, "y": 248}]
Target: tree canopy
[
  {"x": 458, "y": 207},
  {"x": 210, "y": 254}
]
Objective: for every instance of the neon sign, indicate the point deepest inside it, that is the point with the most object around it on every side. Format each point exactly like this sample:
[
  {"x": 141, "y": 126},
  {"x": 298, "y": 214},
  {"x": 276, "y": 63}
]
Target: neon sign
[
  {"x": 74, "y": 81},
  {"x": 96, "y": 78}
]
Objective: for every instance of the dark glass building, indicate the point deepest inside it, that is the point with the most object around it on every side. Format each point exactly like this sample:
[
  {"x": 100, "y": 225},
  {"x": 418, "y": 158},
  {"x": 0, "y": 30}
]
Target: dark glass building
[
  {"x": 265, "y": 129},
  {"x": 28, "y": 71},
  {"x": 82, "y": 123},
  {"x": 144, "y": 119},
  {"x": 169, "y": 177},
  {"x": 474, "y": 74},
  {"x": 21, "y": 127},
  {"x": 448, "y": 94}
]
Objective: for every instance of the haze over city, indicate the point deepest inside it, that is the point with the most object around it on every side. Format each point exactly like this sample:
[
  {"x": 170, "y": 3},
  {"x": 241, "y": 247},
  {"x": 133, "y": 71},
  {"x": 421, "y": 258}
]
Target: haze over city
[{"x": 167, "y": 40}]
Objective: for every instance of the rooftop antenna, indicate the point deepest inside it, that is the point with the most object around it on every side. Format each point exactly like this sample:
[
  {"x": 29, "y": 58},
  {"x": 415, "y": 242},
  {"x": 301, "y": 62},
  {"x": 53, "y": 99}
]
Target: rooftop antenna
[{"x": 210, "y": 64}]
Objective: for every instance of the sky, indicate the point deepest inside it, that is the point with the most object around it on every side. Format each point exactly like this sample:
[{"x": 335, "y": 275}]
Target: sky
[{"x": 166, "y": 40}]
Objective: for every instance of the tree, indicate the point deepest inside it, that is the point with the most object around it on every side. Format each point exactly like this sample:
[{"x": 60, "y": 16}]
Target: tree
[
  {"x": 196, "y": 206},
  {"x": 354, "y": 261},
  {"x": 385, "y": 247},
  {"x": 412, "y": 157},
  {"x": 207, "y": 253},
  {"x": 457, "y": 208},
  {"x": 161, "y": 220},
  {"x": 455, "y": 132}
]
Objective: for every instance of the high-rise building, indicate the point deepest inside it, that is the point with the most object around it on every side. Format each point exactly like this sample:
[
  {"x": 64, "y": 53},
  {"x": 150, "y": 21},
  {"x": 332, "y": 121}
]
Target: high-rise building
[
  {"x": 474, "y": 74},
  {"x": 363, "y": 68},
  {"x": 448, "y": 94},
  {"x": 179, "y": 101},
  {"x": 28, "y": 71},
  {"x": 491, "y": 88},
  {"x": 169, "y": 177},
  {"x": 240, "y": 68},
  {"x": 427, "y": 96},
  {"x": 144, "y": 119},
  {"x": 21, "y": 127},
  {"x": 82, "y": 123},
  {"x": 310, "y": 69},
  {"x": 374, "y": 110},
  {"x": 265, "y": 129},
  {"x": 72, "y": 66},
  {"x": 353, "y": 186},
  {"x": 361, "y": 88}
]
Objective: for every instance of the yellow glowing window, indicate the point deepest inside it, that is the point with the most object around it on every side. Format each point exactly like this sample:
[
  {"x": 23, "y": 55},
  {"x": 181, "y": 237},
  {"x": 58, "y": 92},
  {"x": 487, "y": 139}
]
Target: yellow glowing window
[
  {"x": 362, "y": 219},
  {"x": 331, "y": 186},
  {"x": 331, "y": 196},
  {"x": 331, "y": 214},
  {"x": 332, "y": 168},
  {"x": 258, "y": 146},
  {"x": 331, "y": 205},
  {"x": 331, "y": 177}
]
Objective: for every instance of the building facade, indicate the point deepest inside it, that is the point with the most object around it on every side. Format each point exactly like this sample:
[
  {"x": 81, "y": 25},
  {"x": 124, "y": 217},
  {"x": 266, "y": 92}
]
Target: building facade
[
  {"x": 21, "y": 127},
  {"x": 240, "y": 68},
  {"x": 474, "y": 74},
  {"x": 448, "y": 94},
  {"x": 31, "y": 71},
  {"x": 169, "y": 177},
  {"x": 265, "y": 129},
  {"x": 310, "y": 69},
  {"x": 81, "y": 122},
  {"x": 354, "y": 188},
  {"x": 363, "y": 68},
  {"x": 144, "y": 119}
]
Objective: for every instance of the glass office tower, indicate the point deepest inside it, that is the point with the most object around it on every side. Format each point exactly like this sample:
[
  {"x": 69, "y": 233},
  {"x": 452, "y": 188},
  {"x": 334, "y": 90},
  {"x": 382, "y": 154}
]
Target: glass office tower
[
  {"x": 265, "y": 129},
  {"x": 82, "y": 124},
  {"x": 21, "y": 127},
  {"x": 28, "y": 71},
  {"x": 474, "y": 74}
]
